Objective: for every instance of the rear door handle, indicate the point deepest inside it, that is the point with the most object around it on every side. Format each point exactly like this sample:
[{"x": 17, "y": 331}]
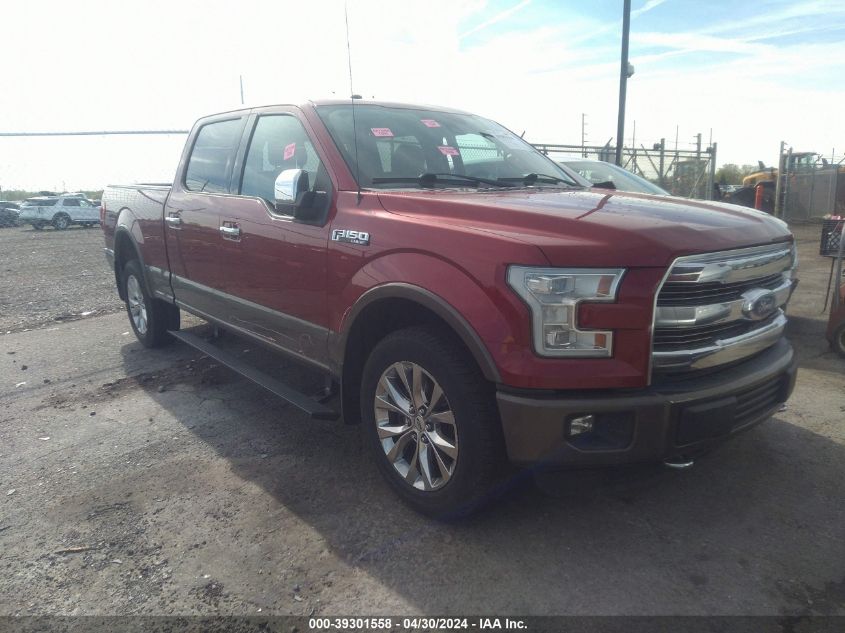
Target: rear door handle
[
  {"x": 173, "y": 220},
  {"x": 230, "y": 231}
]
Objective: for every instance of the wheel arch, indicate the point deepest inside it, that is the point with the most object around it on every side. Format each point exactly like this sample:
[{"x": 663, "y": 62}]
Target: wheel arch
[
  {"x": 383, "y": 310},
  {"x": 125, "y": 250}
]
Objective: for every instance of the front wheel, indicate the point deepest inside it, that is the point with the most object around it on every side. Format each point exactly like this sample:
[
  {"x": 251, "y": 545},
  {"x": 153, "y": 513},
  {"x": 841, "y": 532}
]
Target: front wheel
[
  {"x": 431, "y": 422},
  {"x": 150, "y": 318}
]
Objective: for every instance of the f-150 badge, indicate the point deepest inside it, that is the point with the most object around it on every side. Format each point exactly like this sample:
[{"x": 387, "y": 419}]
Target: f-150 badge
[{"x": 350, "y": 236}]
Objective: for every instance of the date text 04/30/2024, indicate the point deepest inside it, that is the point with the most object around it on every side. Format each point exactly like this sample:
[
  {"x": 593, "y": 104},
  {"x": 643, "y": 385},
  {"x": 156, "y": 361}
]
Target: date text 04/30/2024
[{"x": 417, "y": 623}]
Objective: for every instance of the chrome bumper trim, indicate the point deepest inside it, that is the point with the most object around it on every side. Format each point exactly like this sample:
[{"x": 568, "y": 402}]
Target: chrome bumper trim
[{"x": 724, "y": 351}]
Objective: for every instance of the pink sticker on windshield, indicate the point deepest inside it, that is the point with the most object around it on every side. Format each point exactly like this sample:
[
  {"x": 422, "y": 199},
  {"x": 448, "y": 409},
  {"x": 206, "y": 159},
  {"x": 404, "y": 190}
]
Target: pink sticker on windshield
[
  {"x": 429, "y": 123},
  {"x": 381, "y": 131},
  {"x": 448, "y": 151},
  {"x": 290, "y": 150}
]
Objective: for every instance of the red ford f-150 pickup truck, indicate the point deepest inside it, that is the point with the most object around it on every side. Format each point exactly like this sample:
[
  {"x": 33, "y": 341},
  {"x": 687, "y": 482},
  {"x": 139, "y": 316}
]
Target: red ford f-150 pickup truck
[{"x": 474, "y": 302}]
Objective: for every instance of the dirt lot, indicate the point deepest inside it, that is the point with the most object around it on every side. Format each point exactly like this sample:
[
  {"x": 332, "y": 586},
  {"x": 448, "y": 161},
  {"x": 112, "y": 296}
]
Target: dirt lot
[
  {"x": 152, "y": 482},
  {"x": 51, "y": 276}
]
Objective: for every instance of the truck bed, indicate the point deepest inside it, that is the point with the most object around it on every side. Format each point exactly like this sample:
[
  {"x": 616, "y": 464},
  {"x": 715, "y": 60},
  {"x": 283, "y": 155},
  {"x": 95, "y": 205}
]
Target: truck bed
[{"x": 139, "y": 208}]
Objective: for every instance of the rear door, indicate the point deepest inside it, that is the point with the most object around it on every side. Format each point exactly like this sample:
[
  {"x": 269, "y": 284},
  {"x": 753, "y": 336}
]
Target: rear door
[
  {"x": 71, "y": 207},
  {"x": 192, "y": 212}
]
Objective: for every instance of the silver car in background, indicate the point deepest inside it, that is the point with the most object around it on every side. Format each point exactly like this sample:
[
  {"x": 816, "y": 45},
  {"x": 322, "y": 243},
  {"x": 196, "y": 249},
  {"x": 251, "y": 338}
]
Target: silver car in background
[
  {"x": 59, "y": 211},
  {"x": 599, "y": 172}
]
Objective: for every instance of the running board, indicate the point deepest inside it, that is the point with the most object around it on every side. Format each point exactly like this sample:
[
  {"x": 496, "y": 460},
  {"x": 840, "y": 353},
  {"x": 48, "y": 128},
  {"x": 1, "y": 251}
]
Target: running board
[{"x": 314, "y": 409}]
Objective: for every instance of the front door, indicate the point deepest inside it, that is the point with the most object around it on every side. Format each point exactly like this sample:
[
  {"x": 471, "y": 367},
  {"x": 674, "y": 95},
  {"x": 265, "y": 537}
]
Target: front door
[{"x": 276, "y": 265}]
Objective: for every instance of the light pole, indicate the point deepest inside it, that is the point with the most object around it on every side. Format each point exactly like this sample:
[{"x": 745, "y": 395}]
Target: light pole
[{"x": 625, "y": 71}]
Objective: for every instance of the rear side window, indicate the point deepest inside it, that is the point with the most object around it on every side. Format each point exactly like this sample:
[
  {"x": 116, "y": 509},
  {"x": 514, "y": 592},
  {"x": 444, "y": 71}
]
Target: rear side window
[
  {"x": 212, "y": 156},
  {"x": 71, "y": 202}
]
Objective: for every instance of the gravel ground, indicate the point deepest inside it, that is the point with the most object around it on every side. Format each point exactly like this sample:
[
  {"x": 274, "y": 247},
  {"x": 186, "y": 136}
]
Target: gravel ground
[
  {"x": 49, "y": 276},
  {"x": 138, "y": 481}
]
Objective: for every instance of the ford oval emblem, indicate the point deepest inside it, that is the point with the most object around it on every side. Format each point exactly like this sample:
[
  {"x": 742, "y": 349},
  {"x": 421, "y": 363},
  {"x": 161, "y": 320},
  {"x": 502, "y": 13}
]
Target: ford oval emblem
[{"x": 758, "y": 304}]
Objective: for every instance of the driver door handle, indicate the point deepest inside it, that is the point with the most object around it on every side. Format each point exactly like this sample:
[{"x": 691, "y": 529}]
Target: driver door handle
[
  {"x": 230, "y": 231},
  {"x": 173, "y": 220}
]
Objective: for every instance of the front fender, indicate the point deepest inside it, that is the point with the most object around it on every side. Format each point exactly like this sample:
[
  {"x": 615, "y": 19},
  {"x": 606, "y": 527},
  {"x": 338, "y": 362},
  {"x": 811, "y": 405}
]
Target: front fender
[{"x": 448, "y": 291}]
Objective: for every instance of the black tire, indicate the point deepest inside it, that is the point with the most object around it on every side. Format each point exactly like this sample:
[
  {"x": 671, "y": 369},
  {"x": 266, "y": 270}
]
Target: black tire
[
  {"x": 478, "y": 445},
  {"x": 158, "y": 316},
  {"x": 61, "y": 221},
  {"x": 838, "y": 340}
]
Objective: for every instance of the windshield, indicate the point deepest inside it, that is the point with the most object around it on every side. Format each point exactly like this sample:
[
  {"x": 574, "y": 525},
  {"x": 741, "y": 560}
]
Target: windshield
[
  {"x": 597, "y": 171},
  {"x": 401, "y": 147}
]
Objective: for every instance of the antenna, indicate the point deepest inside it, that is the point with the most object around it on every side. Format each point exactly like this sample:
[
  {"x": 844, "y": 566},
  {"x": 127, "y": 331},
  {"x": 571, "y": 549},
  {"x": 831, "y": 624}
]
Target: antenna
[{"x": 352, "y": 96}]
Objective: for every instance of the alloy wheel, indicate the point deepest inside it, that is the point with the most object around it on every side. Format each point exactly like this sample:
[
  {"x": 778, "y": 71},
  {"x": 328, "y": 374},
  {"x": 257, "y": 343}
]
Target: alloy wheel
[
  {"x": 137, "y": 307},
  {"x": 416, "y": 426}
]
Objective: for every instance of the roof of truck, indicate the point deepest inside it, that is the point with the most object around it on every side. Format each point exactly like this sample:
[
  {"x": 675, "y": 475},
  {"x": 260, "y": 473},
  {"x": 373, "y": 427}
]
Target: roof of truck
[
  {"x": 346, "y": 102},
  {"x": 387, "y": 104}
]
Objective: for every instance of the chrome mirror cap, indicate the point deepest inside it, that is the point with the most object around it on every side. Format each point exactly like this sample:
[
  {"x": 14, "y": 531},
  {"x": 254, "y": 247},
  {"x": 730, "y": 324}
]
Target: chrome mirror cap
[{"x": 289, "y": 184}]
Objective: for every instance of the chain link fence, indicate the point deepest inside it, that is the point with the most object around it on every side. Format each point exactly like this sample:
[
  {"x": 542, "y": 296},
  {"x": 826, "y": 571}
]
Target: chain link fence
[
  {"x": 813, "y": 191},
  {"x": 681, "y": 172}
]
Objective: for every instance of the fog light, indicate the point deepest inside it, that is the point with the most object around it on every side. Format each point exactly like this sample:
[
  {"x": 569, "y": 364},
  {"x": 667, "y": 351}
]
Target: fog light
[
  {"x": 606, "y": 431},
  {"x": 580, "y": 424}
]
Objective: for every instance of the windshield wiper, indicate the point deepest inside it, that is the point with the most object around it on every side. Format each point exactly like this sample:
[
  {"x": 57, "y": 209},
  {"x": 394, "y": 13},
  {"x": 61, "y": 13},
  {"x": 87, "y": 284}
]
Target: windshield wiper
[
  {"x": 428, "y": 179},
  {"x": 532, "y": 178}
]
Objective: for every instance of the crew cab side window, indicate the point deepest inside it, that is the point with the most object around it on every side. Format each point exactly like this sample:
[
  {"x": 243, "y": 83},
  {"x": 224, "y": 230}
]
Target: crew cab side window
[
  {"x": 71, "y": 202},
  {"x": 280, "y": 142},
  {"x": 212, "y": 156}
]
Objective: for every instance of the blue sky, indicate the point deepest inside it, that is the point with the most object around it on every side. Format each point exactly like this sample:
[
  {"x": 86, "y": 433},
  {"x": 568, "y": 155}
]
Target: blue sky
[{"x": 755, "y": 72}]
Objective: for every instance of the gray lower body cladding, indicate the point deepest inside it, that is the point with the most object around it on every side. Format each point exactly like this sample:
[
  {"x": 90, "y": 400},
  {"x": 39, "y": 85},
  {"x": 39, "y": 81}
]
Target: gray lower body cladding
[{"x": 667, "y": 420}]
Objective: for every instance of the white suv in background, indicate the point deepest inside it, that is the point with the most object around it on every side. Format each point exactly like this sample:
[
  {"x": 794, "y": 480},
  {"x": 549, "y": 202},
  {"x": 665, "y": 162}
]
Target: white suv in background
[{"x": 60, "y": 211}]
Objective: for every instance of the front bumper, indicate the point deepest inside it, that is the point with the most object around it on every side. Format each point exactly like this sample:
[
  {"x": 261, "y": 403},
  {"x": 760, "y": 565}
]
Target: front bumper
[{"x": 681, "y": 418}]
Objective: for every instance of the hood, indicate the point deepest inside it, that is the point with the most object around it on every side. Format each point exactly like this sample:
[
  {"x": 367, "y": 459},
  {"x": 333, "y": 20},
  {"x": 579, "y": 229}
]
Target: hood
[{"x": 596, "y": 227}]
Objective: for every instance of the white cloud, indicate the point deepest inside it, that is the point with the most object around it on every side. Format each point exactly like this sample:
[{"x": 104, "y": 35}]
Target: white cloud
[
  {"x": 648, "y": 6},
  {"x": 503, "y": 15}
]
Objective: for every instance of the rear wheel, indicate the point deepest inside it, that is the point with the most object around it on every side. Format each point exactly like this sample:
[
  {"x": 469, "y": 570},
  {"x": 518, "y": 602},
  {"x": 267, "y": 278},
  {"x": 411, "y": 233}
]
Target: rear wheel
[
  {"x": 431, "y": 422},
  {"x": 150, "y": 318},
  {"x": 61, "y": 221}
]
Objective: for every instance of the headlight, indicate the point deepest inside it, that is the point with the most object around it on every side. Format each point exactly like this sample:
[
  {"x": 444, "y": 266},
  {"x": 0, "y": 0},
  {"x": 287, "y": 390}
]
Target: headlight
[{"x": 553, "y": 294}]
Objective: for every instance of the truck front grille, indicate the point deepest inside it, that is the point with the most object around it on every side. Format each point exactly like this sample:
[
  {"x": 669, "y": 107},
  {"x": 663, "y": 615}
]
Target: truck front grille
[
  {"x": 721, "y": 307},
  {"x": 679, "y": 293},
  {"x": 668, "y": 339}
]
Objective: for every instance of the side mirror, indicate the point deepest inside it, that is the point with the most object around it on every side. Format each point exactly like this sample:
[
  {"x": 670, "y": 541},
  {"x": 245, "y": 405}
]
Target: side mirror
[
  {"x": 604, "y": 184},
  {"x": 293, "y": 196},
  {"x": 290, "y": 185}
]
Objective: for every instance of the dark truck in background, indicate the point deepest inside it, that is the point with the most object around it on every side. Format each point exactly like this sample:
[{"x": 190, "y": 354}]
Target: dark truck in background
[{"x": 474, "y": 302}]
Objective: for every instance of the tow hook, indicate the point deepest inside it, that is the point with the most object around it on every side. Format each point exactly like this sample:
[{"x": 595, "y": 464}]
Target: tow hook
[{"x": 679, "y": 462}]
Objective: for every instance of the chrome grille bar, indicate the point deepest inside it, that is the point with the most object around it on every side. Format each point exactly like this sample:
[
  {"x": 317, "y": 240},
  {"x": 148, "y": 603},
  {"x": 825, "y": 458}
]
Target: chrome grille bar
[{"x": 722, "y": 307}]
